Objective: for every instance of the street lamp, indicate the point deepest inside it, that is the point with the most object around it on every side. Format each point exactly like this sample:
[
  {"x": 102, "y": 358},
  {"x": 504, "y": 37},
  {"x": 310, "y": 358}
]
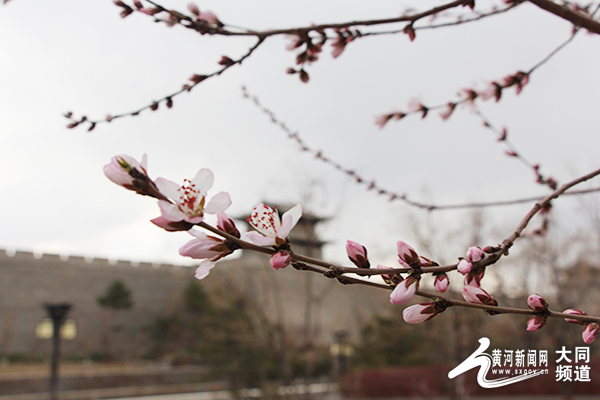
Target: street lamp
[{"x": 58, "y": 314}]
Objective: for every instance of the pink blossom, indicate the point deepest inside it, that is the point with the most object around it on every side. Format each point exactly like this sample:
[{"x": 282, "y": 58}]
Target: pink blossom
[
  {"x": 189, "y": 200},
  {"x": 477, "y": 295},
  {"x": 123, "y": 169},
  {"x": 419, "y": 313},
  {"x": 209, "y": 248},
  {"x": 537, "y": 302},
  {"x": 536, "y": 323},
  {"x": 271, "y": 230},
  {"x": 357, "y": 253},
  {"x": 441, "y": 282},
  {"x": 574, "y": 312},
  {"x": 405, "y": 290},
  {"x": 281, "y": 259},
  {"x": 590, "y": 332}
]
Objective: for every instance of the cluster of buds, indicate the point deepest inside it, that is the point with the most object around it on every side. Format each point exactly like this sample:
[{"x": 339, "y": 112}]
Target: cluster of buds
[{"x": 468, "y": 96}]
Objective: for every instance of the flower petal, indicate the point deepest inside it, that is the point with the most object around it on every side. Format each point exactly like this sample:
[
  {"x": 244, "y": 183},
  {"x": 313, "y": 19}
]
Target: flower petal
[
  {"x": 170, "y": 211},
  {"x": 218, "y": 203},
  {"x": 204, "y": 268},
  {"x": 169, "y": 188},
  {"x": 203, "y": 180},
  {"x": 259, "y": 240},
  {"x": 289, "y": 220}
]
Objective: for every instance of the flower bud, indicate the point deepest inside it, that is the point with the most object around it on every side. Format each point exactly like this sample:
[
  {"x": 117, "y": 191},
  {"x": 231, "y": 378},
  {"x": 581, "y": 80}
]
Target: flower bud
[
  {"x": 574, "y": 312},
  {"x": 419, "y": 313},
  {"x": 281, "y": 259},
  {"x": 464, "y": 266},
  {"x": 590, "y": 332},
  {"x": 537, "y": 302},
  {"x": 536, "y": 323},
  {"x": 474, "y": 254},
  {"x": 405, "y": 290},
  {"x": 441, "y": 282},
  {"x": 477, "y": 295},
  {"x": 357, "y": 253}
]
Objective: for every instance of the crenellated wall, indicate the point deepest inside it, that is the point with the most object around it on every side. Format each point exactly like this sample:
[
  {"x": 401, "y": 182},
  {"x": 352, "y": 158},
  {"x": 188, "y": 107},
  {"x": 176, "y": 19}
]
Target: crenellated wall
[{"x": 28, "y": 280}]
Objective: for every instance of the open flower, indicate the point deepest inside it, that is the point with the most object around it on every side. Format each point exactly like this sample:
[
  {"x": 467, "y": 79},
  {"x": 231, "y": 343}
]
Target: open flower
[
  {"x": 272, "y": 231},
  {"x": 189, "y": 200}
]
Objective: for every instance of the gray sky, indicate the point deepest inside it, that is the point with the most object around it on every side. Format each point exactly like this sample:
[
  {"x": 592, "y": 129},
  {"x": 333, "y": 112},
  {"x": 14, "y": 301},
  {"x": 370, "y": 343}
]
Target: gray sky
[{"x": 81, "y": 56}]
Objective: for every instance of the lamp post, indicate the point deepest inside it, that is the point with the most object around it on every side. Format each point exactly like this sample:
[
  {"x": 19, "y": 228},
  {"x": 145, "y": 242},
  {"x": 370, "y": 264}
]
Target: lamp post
[{"x": 58, "y": 314}]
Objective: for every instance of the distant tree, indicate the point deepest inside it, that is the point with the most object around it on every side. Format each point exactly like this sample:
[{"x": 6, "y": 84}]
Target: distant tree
[{"x": 116, "y": 297}]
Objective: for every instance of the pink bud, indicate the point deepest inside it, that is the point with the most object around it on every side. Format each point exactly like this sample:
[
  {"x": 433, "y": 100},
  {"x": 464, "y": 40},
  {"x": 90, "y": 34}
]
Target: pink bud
[
  {"x": 419, "y": 313},
  {"x": 464, "y": 266},
  {"x": 405, "y": 290},
  {"x": 441, "y": 282},
  {"x": 281, "y": 259},
  {"x": 574, "y": 312},
  {"x": 194, "y": 9},
  {"x": 226, "y": 224},
  {"x": 536, "y": 323},
  {"x": 407, "y": 254},
  {"x": 474, "y": 279},
  {"x": 357, "y": 253},
  {"x": 122, "y": 169},
  {"x": 386, "y": 277},
  {"x": 477, "y": 295},
  {"x": 474, "y": 254},
  {"x": 537, "y": 302},
  {"x": 590, "y": 332}
]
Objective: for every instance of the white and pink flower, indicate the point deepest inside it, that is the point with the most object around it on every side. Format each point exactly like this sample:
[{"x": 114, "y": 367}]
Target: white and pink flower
[
  {"x": 272, "y": 231},
  {"x": 574, "y": 311},
  {"x": 189, "y": 200}
]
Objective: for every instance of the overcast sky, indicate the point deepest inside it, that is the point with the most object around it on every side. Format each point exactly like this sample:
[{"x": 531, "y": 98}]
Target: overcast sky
[{"x": 70, "y": 55}]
